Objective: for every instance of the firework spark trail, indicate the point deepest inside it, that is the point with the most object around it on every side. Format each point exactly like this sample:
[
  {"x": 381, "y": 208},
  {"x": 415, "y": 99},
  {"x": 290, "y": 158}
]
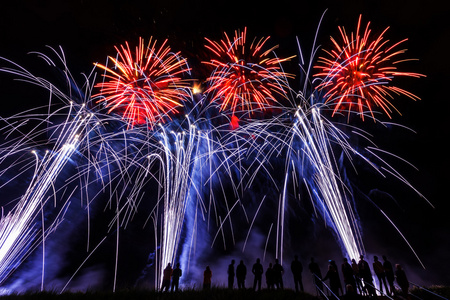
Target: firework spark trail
[
  {"x": 17, "y": 232},
  {"x": 326, "y": 180},
  {"x": 325, "y": 183},
  {"x": 179, "y": 150},
  {"x": 122, "y": 162},
  {"x": 194, "y": 162},
  {"x": 306, "y": 145},
  {"x": 16, "y": 226},
  {"x": 209, "y": 158},
  {"x": 215, "y": 154}
]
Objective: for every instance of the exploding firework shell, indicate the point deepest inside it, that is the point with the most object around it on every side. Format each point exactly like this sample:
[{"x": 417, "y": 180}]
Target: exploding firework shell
[
  {"x": 145, "y": 86},
  {"x": 357, "y": 74},
  {"x": 245, "y": 77}
]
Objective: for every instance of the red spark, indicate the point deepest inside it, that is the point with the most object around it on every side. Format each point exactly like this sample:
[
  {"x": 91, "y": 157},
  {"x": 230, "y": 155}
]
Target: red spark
[
  {"x": 357, "y": 74},
  {"x": 144, "y": 86},
  {"x": 245, "y": 77},
  {"x": 234, "y": 124}
]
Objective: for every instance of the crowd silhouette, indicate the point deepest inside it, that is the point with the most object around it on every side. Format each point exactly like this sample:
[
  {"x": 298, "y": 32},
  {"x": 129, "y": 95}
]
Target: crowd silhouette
[{"x": 357, "y": 277}]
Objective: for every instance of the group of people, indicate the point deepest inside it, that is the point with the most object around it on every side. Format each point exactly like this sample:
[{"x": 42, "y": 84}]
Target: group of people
[
  {"x": 357, "y": 276},
  {"x": 274, "y": 275},
  {"x": 171, "y": 275}
]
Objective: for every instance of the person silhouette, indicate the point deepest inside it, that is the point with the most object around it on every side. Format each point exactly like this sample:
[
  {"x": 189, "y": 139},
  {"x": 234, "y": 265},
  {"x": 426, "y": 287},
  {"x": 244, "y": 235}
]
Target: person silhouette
[
  {"x": 297, "y": 269},
  {"x": 231, "y": 274},
  {"x": 389, "y": 271},
  {"x": 269, "y": 277},
  {"x": 257, "y": 270},
  {"x": 357, "y": 276},
  {"x": 167, "y": 274},
  {"x": 347, "y": 272},
  {"x": 207, "y": 275},
  {"x": 334, "y": 265},
  {"x": 241, "y": 273},
  {"x": 176, "y": 274},
  {"x": 381, "y": 275},
  {"x": 402, "y": 280},
  {"x": 317, "y": 276},
  {"x": 278, "y": 272},
  {"x": 366, "y": 275},
  {"x": 335, "y": 283}
]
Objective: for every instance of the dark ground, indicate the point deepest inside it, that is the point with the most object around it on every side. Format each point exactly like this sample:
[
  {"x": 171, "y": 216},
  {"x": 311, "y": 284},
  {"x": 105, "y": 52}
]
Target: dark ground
[{"x": 215, "y": 293}]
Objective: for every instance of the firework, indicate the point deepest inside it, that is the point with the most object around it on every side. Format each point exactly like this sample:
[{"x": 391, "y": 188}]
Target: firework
[
  {"x": 246, "y": 76},
  {"x": 16, "y": 229},
  {"x": 19, "y": 237},
  {"x": 145, "y": 86},
  {"x": 189, "y": 158},
  {"x": 358, "y": 73},
  {"x": 326, "y": 184}
]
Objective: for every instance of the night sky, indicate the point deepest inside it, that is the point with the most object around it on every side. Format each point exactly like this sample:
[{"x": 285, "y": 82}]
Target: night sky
[{"x": 88, "y": 31}]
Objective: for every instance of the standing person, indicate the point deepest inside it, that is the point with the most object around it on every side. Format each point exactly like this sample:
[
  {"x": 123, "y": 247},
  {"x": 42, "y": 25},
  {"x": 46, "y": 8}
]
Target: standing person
[
  {"x": 402, "y": 280},
  {"x": 366, "y": 275},
  {"x": 347, "y": 272},
  {"x": 269, "y": 277},
  {"x": 381, "y": 275},
  {"x": 317, "y": 275},
  {"x": 231, "y": 274},
  {"x": 278, "y": 272},
  {"x": 297, "y": 269},
  {"x": 257, "y": 270},
  {"x": 207, "y": 275},
  {"x": 334, "y": 265},
  {"x": 176, "y": 274},
  {"x": 389, "y": 271},
  {"x": 167, "y": 274},
  {"x": 357, "y": 276},
  {"x": 335, "y": 283},
  {"x": 241, "y": 273}
]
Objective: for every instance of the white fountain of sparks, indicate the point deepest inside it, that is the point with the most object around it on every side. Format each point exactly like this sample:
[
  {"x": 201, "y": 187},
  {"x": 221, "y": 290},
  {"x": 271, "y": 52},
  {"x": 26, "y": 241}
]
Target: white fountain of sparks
[{"x": 16, "y": 230}]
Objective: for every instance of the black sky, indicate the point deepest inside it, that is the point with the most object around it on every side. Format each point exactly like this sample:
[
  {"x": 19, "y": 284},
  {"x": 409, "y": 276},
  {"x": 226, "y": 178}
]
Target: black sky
[{"x": 88, "y": 30}]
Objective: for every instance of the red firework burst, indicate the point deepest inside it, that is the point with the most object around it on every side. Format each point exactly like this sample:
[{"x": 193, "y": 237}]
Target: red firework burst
[
  {"x": 145, "y": 86},
  {"x": 245, "y": 76},
  {"x": 357, "y": 74}
]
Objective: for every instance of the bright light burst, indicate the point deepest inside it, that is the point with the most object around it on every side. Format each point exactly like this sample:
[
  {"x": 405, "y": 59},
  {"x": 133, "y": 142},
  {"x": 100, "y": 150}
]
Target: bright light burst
[
  {"x": 192, "y": 159},
  {"x": 245, "y": 76},
  {"x": 357, "y": 74},
  {"x": 145, "y": 86}
]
